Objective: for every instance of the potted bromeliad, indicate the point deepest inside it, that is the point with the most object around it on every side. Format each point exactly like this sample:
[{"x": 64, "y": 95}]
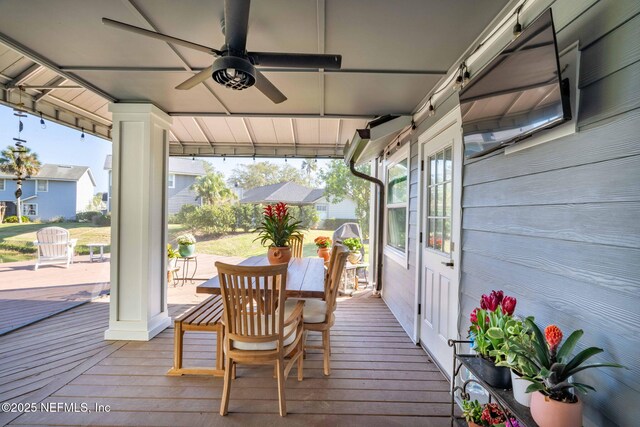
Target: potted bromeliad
[
  {"x": 275, "y": 231},
  {"x": 354, "y": 245},
  {"x": 323, "y": 243},
  {"x": 554, "y": 401},
  {"x": 491, "y": 325},
  {"x": 186, "y": 245},
  {"x": 520, "y": 336},
  {"x": 486, "y": 415}
]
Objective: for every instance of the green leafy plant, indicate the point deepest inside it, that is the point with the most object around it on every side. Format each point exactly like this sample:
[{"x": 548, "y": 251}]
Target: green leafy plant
[
  {"x": 277, "y": 226},
  {"x": 14, "y": 219},
  {"x": 519, "y": 336},
  {"x": 186, "y": 239},
  {"x": 472, "y": 411},
  {"x": 353, "y": 243},
  {"x": 554, "y": 364},
  {"x": 172, "y": 253},
  {"x": 492, "y": 324}
]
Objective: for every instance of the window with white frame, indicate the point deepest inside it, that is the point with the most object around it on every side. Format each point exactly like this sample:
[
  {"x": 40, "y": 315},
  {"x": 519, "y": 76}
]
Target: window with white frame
[
  {"x": 2, "y": 185},
  {"x": 172, "y": 180},
  {"x": 397, "y": 206},
  {"x": 439, "y": 196},
  {"x": 30, "y": 209},
  {"x": 43, "y": 185},
  {"x": 321, "y": 208}
]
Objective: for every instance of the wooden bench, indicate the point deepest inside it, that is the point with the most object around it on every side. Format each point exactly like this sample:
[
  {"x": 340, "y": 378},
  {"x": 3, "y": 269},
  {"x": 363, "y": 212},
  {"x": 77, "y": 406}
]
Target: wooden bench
[{"x": 206, "y": 316}]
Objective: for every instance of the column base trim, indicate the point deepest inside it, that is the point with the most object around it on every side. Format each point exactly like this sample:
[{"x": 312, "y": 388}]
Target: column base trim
[{"x": 157, "y": 325}]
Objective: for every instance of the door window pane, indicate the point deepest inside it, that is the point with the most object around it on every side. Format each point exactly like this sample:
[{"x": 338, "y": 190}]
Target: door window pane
[{"x": 439, "y": 193}]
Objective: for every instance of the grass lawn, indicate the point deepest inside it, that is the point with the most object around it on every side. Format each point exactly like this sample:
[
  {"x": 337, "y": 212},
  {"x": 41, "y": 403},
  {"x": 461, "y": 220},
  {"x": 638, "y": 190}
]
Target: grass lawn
[{"x": 16, "y": 240}]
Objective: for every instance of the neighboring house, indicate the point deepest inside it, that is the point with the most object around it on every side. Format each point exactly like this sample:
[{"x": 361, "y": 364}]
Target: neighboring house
[
  {"x": 182, "y": 174},
  {"x": 56, "y": 191},
  {"x": 296, "y": 194}
]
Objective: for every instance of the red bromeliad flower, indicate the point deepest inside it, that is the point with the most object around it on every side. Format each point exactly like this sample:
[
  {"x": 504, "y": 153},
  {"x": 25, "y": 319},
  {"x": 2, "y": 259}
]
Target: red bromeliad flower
[
  {"x": 281, "y": 210},
  {"x": 268, "y": 211},
  {"x": 492, "y": 414},
  {"x": 553, "y": 335},
  {"x": 508, "y": 305}
]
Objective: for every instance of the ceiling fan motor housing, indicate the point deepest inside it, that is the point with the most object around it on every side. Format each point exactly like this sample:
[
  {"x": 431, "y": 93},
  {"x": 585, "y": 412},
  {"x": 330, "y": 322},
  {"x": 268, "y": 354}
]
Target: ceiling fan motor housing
[{"x": 234, "y": 72}]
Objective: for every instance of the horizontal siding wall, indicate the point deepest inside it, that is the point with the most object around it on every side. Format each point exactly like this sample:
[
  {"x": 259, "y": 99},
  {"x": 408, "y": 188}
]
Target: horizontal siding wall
[{"x": 557, "y": 225}]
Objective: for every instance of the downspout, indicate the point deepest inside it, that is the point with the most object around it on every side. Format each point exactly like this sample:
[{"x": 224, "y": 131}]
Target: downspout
[{"x": 380, "y": 186}]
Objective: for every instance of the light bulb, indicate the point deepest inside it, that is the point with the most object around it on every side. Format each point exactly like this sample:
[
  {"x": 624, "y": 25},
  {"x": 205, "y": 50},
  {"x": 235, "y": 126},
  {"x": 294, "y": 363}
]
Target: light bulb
[
  {"x": 82, "y": 135},
  {"x": 224, "y": 158},
  {"x": 458, "y": 83},
  {"x": 432, "y": 110},
  {"x": 466, "y": 77},
  {"x": 43, "y": 125}
]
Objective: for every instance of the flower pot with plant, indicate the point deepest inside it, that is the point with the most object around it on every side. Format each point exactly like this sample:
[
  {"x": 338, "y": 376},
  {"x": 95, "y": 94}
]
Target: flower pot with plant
[
  {"x": 472, "y": 412},
  {"x": 519, "y": 335},
  {"x": 323, "y": 243},
  {"x": 186, "y": 245},
  {"x": 277, "y": 227},
  {"x": 172, "y": 265},
  {"x": 554, "y": 401},
  {"x": 491, "y": 324},
  {"x": 354, "y": 245}
]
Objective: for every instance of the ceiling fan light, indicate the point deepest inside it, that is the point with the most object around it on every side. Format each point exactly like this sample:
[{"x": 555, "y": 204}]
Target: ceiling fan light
[{"x": 234, "y": 72}]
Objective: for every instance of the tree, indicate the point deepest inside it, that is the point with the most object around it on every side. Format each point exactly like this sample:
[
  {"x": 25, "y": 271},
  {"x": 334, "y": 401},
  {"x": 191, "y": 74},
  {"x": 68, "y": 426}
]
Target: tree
[
  {"x": 310, "y": 167},
  {"x": 264, "y": 173},
  {"x": 23, "y": 164},
  {"x": 342, "y": 184},
  {"x": 211, "y": 188},
  {"x": 96, "y": 203}
]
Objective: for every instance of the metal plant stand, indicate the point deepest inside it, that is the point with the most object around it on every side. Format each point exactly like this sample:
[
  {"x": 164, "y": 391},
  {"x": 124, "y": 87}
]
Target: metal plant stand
[{"x": 504, "y": 398}]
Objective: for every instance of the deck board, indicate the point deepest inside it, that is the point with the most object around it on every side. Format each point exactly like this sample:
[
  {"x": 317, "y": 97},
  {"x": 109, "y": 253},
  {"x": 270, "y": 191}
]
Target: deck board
[{"x": 378, "y": 378}]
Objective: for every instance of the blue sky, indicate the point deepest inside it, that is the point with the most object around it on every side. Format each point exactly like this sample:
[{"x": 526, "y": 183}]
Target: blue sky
[{"x": 59, "y": 144}]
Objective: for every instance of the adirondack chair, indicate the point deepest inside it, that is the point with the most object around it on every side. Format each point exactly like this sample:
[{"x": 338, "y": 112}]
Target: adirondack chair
[{"x": 54, "y": 246}]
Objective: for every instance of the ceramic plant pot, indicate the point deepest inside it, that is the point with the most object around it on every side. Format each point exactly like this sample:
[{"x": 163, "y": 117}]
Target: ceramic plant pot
[
  {"x": 186, "y": 250},
  {"x": 495, "y": 376},
  {"x": 472, "y": 424},
  {"x": 520, "y": 389},
  {"x": 547, "y": 412},
  {"x": 354, "y": 257},
  {"x": 279, "y": 255},
  {"x": 324, "y": 253}
]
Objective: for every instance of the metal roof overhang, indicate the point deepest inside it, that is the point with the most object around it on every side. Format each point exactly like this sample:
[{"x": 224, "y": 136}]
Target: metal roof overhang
[{"x": 68, "y": 67}]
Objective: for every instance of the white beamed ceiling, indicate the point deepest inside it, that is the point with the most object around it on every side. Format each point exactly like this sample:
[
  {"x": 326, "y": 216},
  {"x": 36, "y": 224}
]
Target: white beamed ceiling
[{"x": 393, "y": 55}]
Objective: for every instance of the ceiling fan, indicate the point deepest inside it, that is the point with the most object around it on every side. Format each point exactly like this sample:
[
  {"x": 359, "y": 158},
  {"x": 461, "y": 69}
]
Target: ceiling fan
[{"x": 234, "y": 67}]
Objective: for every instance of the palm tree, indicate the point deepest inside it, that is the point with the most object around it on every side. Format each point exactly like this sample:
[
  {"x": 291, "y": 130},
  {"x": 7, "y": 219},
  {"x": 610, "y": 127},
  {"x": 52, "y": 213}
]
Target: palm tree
[
  {"x": 212, "y": 188},
  {"x": 22, "y": 163},
  {"x": 309, "y": 166}
]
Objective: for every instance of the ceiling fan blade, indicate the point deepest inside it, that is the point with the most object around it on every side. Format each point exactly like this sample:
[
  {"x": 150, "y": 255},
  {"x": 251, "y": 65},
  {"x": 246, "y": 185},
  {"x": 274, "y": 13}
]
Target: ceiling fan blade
[
  {"x": 265, "y": 86},
  {"x": 160, "y": 36},
  {"x": 196, "y": 79},
  {"x": 236, "y": 24},
  {"x": 296, "y": 60}
]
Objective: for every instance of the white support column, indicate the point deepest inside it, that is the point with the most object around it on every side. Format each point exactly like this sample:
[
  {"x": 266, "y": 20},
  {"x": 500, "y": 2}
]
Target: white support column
[{"x": 138, "y": 307}]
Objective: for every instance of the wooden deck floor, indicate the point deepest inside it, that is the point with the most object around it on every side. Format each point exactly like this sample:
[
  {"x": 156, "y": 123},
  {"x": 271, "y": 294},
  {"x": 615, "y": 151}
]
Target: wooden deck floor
[{"x": 379, "y": 378}]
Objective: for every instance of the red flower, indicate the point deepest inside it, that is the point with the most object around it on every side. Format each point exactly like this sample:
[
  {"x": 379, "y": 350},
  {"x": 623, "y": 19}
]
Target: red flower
[
  {"x": 492, "y": 414},
  {"x": 508, "y": 305},
  {"x": 474, "y": 316},
  {"x": 268, "y": 211},
  {"x": 553, "y": 334},
  {"x": 281, "y": 210}
]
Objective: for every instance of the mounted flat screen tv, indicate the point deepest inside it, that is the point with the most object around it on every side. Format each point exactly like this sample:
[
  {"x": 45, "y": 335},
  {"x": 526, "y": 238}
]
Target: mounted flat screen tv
[{"x": 520, "y": 92}]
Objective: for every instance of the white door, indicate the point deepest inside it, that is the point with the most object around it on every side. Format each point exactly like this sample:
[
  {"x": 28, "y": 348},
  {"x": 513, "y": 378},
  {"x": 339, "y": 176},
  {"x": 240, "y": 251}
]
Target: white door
[{"x": 441, "y": 151}]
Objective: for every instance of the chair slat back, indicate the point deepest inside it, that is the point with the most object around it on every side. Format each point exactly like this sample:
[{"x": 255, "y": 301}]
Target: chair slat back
[
  {"x": 296, "y": 244},
  {"x": 336, "y": 270},
  {"x": 253, "y": 298},
  {"x": 332, "y": 259},
  {"x": 53, "y": 241}
]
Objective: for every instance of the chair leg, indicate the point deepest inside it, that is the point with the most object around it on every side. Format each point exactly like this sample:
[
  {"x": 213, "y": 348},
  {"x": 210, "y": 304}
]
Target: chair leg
[
  {"x": 178, "y": 336},
  {"x": 326, "y": 351},
  {"x": 226, "y": 390},
  {"x": 233, "y": 371},
  {"x": 301, "y": 361},
  {"x": 281, "y": 396},
  {"x": 219, "y": 348}
]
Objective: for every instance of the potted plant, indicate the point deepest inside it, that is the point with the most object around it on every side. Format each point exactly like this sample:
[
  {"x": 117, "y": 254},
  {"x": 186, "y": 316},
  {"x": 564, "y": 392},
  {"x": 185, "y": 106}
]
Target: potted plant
[
  {"x": 519, "y": 336},
  {"x": 490, "y": 326},
  {"x": 554, "y": 401},
  {"x": 323, "y": 244},
  {"x": 186, "y": 245},
  {"x": 172, "y": 265},
  {"x": 472, "y": 412},
  {"x": 276, "y": 229},
  {"x": 353, "y": 244}
]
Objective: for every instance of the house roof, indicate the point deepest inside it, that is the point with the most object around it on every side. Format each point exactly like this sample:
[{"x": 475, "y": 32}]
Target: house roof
[
  {"x": 59, "y": 173},
  {"x": 288, "y": 192},
  {"x": 177, "y": 165}
]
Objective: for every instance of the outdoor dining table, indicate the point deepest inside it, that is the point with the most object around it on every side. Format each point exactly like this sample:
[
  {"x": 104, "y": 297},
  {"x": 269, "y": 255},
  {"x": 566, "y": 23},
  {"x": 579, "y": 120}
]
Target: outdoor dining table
[{"x": 305, "y": 277}]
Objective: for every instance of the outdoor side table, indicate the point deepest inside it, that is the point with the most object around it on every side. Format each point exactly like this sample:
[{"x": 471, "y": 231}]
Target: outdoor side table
[
  {"x": 95, "y": 257},
  {"x": 189, "y": 268}
]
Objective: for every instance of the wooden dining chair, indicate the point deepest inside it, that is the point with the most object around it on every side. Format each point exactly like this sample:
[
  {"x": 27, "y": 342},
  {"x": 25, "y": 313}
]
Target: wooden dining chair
[
  {"x": 296, "y": 244},
  {"x": 256, "y": 330},
  {"x": 319, "y": 314}
]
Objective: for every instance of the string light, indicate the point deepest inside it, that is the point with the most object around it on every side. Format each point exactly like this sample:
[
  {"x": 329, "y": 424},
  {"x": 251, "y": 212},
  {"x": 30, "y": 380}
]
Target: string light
[
  {"x": 432, "y": 110},
  {"x": 285, "y": 158},
  {"x": 82, "y": 135},
  {"x": 43, "y": 125},
  {"x": 466, "y": 76},
  {"x": 224, "y": 158},
  {"x": 517, "y": 29}
]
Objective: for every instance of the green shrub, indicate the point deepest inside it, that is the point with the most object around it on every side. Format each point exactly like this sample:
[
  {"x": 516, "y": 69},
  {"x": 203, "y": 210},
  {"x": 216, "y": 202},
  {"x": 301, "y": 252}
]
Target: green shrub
[
  {"x": 334, "y": 223},
  {"x": 307, "y": 215},
  {"x": 182, "y": 216},
  {"x": 56, "y": 220},
  {"x": 248, "y": 216},
  {"x": 215, "y": 219},
  {"x": 14, "y": 219},
  {"x": 102, "y": 220},
  {"x": 87, "y": 216}
]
